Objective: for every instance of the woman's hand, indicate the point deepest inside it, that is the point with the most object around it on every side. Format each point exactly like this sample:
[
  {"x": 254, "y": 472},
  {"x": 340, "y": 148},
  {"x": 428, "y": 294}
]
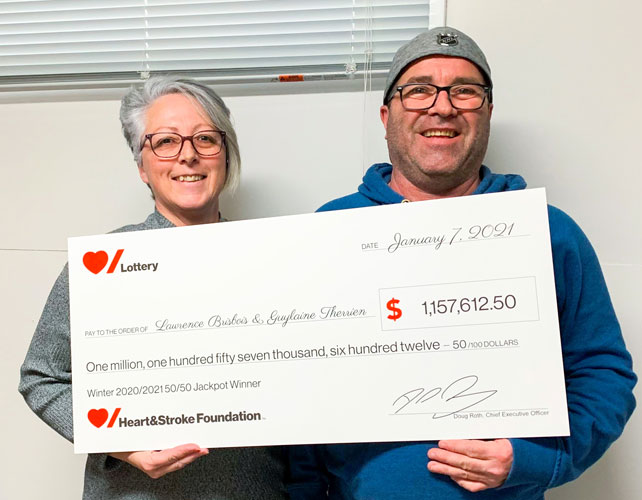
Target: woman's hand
[
  {"x": 474, "y": 465},
  {"x": 158, "y": 463}
]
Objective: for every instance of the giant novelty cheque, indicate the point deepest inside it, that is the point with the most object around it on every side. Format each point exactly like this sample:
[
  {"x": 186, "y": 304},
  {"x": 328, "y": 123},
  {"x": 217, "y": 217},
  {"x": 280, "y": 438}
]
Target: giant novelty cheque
[{"x": 416, "y": 321}]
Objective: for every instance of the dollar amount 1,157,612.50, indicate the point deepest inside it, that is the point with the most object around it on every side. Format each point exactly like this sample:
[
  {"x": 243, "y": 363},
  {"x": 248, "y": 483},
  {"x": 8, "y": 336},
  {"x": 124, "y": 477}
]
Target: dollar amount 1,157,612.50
[{"x": 469, "y": 304}]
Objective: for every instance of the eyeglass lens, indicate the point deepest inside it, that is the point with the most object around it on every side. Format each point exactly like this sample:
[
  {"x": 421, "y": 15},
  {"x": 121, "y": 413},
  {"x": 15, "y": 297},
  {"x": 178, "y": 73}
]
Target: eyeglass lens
[{"x": 423, "y": 95}]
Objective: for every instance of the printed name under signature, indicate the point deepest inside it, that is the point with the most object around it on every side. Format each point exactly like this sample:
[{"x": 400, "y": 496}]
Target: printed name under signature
[{"x": 453, "y": 399}]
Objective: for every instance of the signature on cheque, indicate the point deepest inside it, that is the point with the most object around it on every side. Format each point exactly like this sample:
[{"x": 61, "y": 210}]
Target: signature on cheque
[{"x": 443, "y": 402}]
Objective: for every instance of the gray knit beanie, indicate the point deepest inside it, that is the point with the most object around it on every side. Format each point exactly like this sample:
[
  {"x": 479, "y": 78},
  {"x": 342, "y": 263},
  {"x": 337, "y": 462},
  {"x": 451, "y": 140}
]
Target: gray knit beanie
[{"x": 442, "y": 41}]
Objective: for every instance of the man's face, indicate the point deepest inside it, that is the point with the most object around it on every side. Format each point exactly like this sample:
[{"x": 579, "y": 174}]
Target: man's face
[{"x": 438, "y": 149}]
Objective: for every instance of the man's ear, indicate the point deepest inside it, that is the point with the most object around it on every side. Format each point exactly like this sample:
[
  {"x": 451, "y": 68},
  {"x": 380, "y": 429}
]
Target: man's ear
[{"x": 384, "y": 113}]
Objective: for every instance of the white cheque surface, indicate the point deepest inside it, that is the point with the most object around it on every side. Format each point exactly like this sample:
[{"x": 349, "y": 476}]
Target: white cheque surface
[{"x": 415, "y": 321}]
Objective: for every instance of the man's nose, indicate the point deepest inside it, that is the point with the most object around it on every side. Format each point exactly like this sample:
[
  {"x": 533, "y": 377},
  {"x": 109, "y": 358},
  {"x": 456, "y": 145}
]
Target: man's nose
[{"x": 442, "y": 105}]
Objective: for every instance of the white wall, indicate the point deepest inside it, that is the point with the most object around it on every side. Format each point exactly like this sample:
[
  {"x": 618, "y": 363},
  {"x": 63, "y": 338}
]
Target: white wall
[{"x": 563, "y": 72}]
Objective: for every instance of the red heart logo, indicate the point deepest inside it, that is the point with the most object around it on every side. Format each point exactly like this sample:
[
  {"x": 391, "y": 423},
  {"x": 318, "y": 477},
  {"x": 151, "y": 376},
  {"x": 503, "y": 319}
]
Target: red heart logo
[
  {"x": 95, "y": 262},
  {"x": 98, "y": 417}
]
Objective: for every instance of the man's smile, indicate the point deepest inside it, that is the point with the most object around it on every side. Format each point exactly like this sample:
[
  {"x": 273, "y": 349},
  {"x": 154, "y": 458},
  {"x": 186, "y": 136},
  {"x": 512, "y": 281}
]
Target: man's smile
[{"x": 440, "y": 133}]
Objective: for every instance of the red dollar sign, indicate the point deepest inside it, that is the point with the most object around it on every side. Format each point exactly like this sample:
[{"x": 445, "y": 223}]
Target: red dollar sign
[{"x": 396, "y": 312}]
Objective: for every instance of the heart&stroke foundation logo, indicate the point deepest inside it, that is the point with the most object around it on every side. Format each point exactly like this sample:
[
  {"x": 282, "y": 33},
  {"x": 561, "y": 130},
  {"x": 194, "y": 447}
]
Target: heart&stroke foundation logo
[{"x": 100, "y": 416}]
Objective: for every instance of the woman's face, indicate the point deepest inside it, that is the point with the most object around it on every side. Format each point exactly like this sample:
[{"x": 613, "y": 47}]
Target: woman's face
[{"x": 185, "y": 187}]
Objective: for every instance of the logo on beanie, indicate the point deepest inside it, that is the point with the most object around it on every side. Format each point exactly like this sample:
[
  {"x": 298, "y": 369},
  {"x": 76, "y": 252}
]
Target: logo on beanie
[{"x": 448, "y": 39}]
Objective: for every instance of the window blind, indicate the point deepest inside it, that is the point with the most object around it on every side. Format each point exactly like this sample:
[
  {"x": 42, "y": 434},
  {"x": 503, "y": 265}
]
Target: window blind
[{"x": 72, "y": 42}]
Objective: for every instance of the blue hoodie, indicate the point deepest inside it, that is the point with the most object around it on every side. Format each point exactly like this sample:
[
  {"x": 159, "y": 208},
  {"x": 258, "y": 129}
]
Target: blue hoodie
[{"x": 597, "y": 367}]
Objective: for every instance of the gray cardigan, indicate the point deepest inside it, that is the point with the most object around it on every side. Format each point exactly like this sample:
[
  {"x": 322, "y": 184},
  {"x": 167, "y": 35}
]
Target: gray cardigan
[{"x": 45, "y": 383}]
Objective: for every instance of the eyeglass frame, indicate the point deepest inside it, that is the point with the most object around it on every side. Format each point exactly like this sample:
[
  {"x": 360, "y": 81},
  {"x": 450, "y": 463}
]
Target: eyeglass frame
[
  {"x": 190, "y": 138},
  {"x": 488, "y": 93}
]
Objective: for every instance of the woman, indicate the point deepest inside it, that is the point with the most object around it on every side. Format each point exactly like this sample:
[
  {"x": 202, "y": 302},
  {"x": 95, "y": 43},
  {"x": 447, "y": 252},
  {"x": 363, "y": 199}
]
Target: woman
[{"x": 186, "y": 149}]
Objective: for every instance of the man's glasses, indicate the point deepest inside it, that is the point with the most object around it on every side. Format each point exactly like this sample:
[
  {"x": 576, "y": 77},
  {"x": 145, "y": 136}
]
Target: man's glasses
[
  {"x": 170, "y": 144},
  {"x": 422, "y": 96}
]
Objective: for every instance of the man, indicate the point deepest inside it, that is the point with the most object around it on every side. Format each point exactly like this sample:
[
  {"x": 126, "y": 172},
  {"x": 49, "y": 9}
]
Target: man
[{"x": 436, "y": 112}]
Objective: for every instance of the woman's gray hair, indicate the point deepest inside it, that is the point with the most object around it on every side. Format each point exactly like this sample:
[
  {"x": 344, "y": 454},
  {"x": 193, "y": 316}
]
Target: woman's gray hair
[{"x": 137, "y": 101}]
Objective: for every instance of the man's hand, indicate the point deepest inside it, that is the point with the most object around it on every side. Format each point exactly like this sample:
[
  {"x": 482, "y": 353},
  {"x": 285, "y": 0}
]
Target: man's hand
[
  {"x": 474, "y": 465},
  {"x": 158, "y": 463}
]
